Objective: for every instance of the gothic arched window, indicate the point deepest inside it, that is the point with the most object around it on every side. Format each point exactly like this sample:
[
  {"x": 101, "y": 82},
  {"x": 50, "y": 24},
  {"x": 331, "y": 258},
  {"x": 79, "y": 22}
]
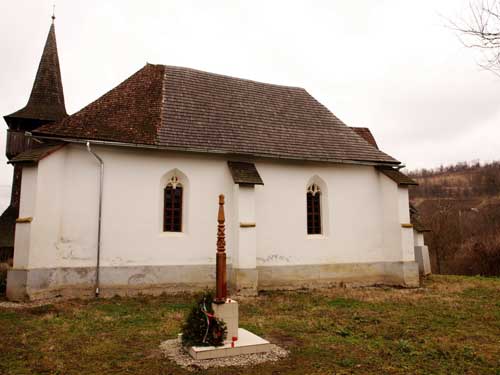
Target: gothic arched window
[
  {"x": 172, "y": 209},
  {"x": 313, "y": 209}
]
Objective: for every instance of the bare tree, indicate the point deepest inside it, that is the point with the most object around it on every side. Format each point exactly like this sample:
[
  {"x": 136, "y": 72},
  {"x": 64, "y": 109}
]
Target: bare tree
[{"x": 481, "y": 30}]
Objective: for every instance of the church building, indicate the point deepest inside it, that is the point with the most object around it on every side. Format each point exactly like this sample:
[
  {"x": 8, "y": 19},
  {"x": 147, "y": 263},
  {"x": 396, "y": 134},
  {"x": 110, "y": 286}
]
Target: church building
[{"x": 121, "y": 197}]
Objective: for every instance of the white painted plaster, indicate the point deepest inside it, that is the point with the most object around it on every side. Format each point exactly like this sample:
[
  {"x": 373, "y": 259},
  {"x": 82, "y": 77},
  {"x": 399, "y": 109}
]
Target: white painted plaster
[
  {"x": 407, "y": 243},
  {"x": 363, "y": 224},
  {"x": 418, "y": 238},
  {"x": 360, "y": 207},
  {"x": 404, "y": 204},
  {"x": 408, "y": 247},
  {"x": 22, "y": 239},
  {"x": 45, "y": 231},
  {"x": 245, "y": 251},
  {"x": 132, "y": 233},
  {"x": 390, "y": 224}
]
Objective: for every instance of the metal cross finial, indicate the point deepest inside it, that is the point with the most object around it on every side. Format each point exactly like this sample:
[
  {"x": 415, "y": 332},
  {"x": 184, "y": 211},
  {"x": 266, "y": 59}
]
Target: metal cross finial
[{"x": 53, "y": 12}]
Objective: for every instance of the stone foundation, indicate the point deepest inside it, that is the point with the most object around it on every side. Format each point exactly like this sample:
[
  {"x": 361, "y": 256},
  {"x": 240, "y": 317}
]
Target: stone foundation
[
  {"x": 43, "y": 283},
  {"x": 243, "y": 282},
  {"x": 352, "y": 274},
  {"x": 77, "y": 282}
]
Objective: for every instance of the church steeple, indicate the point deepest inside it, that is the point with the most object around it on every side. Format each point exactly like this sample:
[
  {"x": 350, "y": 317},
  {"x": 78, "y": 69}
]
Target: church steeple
[{"x": 46, "y": 102}]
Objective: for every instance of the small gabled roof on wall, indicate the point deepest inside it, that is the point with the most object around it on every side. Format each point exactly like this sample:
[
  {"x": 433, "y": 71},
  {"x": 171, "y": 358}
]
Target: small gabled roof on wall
[
  {"x": 400, "y": 178},
  {"x": 366, "y": 134},
  {"x": 415, "y": 220},
  {"x": 244, "y": 173},
  {"x": 36, "y": 154}
]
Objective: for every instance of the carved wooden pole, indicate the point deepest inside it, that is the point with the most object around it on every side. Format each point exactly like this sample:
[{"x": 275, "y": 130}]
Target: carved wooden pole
[{"x": 221, "y": 291}]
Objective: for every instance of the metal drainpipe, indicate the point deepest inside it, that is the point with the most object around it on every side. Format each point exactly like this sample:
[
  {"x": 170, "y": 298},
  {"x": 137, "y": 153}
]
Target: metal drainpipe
[{"x": 97, "y": 270}]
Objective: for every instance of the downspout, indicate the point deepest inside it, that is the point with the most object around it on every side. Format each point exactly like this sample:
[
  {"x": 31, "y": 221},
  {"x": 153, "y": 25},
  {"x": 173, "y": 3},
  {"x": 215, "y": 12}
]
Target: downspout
[{"x": 101, "y": 178}]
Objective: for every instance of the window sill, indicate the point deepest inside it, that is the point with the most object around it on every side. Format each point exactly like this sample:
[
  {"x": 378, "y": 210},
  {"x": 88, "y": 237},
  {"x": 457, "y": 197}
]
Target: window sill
[
  {"x": 173, "y": 234},
  {"x": 316, "y": 237}
]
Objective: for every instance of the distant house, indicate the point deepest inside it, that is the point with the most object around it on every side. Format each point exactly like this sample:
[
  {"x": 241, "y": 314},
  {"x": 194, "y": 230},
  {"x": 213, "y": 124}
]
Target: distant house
[{"x": 309, "y": 200}]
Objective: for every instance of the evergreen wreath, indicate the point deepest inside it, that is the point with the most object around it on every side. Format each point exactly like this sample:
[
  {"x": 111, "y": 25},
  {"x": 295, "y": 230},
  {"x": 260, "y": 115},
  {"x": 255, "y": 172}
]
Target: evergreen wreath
[{"x": 201, "y": 327}]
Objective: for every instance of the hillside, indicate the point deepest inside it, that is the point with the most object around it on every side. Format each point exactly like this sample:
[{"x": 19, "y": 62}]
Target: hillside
[{"x": 460, "y": 204}]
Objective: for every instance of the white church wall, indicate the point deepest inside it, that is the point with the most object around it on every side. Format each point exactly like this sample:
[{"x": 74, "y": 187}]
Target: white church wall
[
  {"x": 361, "y": 225},
  {"x": 418, "y": 238},
  {"x": 404, "y": 204},
  {"x": 353, "y": 232},
  {"x": 246, "y": 235},
  {"x": 132, "y": 219},
  {"x": 48, "y": 213},
  {"x": 22, "y": 240},
  {"x": 77, "y": 241},
  {"x": 407, "y": 241},
  {"x": 131, "y": 214},
  {"x": 391, "y": 223}
]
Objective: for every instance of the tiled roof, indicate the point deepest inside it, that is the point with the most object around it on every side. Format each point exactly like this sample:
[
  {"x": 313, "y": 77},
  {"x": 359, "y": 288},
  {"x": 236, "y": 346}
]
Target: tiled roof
[
  {"x": 36, "y": 154},
  {"x": 366, "y": 134},
  {"x": 128, "y": 113},
  {"x": 398, "y": 177},
  {"x": 244, "y": 173},
  {"x": 7, "y": 227},
  {"x": 186, "y": 109},
  {"x": 46, "y": 101}
]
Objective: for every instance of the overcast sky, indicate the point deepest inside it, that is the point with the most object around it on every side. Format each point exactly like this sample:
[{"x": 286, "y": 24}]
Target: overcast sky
[{"x": 389, "y": 65}]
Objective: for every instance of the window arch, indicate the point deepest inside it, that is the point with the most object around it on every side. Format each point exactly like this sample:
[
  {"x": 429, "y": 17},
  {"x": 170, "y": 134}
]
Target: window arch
[
  {"x": 172, "y": 205},
  {"x": 314, "y": 209}
]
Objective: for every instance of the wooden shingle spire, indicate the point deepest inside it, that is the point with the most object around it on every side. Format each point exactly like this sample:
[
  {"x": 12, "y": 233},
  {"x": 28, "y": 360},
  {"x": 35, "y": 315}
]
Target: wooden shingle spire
[{"x": 46, "y": 102}]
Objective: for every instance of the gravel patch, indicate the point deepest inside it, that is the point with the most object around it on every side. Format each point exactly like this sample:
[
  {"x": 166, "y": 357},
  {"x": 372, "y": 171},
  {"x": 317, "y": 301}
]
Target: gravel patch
[{"x": 173, "y": 350}]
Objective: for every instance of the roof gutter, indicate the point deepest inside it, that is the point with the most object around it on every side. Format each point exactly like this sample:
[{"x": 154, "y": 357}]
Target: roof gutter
[
  {"x": 208, "y": 151},
  {"x": 101, "y": 178}
]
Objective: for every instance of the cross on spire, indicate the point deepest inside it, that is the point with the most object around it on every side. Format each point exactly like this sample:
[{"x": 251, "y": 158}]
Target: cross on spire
[{"x": 53, "y": 12}]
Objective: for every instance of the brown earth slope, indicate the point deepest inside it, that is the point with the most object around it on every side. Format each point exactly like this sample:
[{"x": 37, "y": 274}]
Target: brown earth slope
[{"x": 460, "y": 204}]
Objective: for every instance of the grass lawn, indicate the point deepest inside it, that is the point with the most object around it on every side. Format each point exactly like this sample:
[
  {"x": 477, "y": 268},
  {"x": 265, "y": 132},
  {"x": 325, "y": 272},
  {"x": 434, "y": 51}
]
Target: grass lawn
[{"x": 450, "y": 326}]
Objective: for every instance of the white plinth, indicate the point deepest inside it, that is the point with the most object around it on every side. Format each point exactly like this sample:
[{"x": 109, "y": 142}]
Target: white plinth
[
  {"x": 247, "y": 343},
  {"x": 228, "y": 312}
]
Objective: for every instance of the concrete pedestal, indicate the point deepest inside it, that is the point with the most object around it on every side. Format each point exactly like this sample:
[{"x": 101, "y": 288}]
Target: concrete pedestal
[
  {"x": 228, "y": 312},
  {"x": 238, "y": 340},
  {"x": 247, "y": 343}
]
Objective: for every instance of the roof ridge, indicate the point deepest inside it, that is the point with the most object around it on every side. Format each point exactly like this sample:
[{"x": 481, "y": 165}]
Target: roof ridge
[{"x": 228, "y": 76}]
